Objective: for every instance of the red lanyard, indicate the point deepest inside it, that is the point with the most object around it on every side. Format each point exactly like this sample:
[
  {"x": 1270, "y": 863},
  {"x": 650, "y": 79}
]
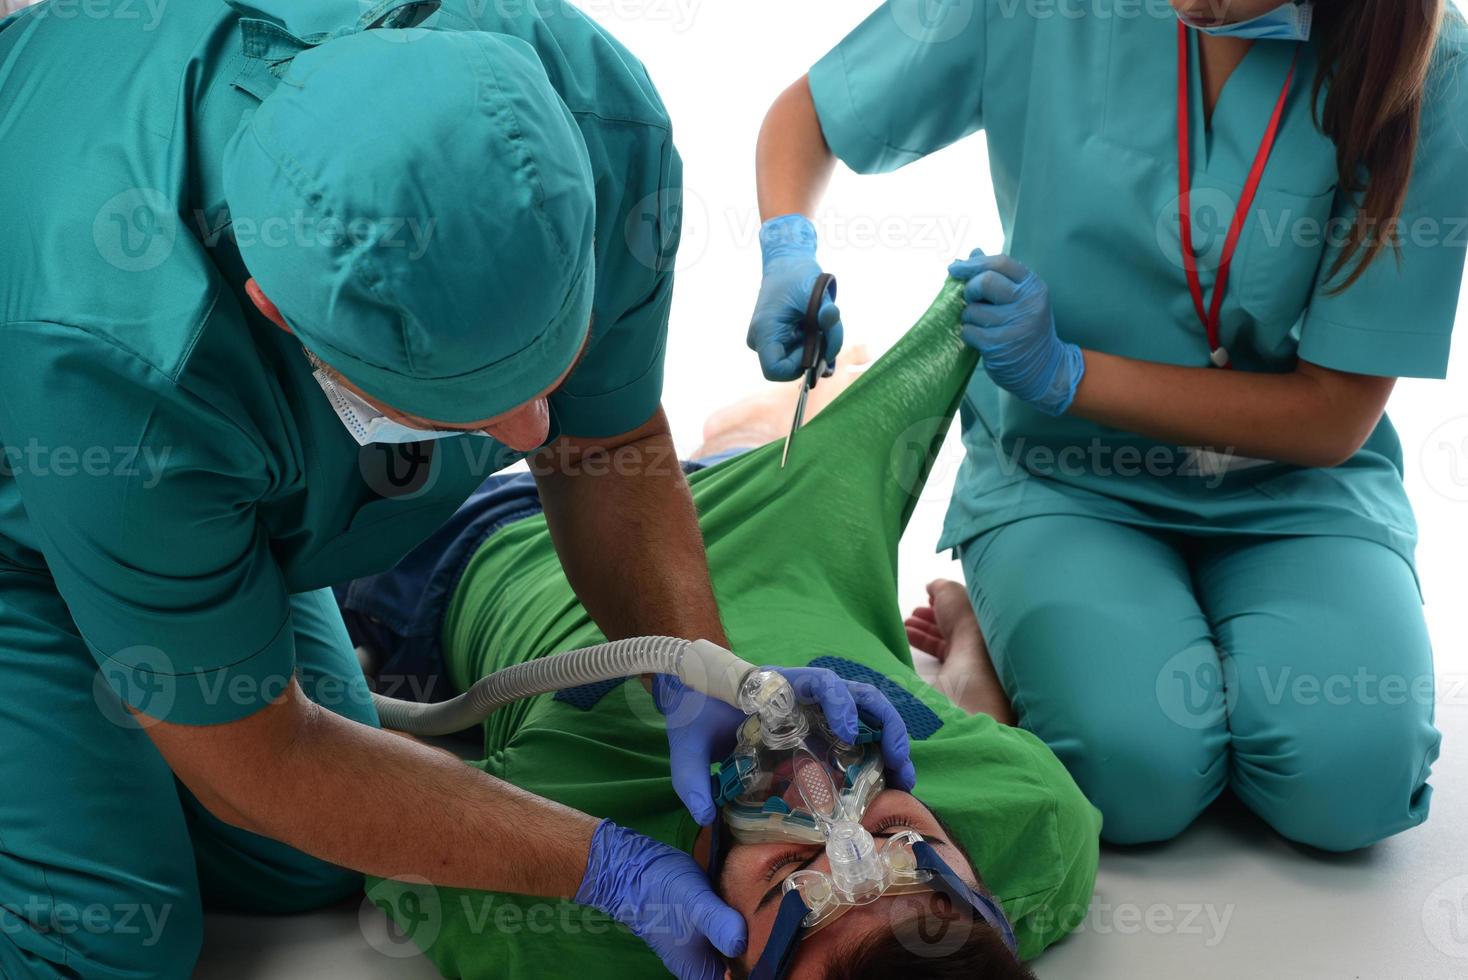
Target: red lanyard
[{"x": 1210, "y": 316}]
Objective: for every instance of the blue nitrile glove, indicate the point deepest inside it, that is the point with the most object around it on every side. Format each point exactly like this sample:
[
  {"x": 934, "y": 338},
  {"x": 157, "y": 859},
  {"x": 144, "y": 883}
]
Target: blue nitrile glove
[
  {"x": 1008, "y": 321},
  {"x": 788, "y": 244},
  {"x": 665, "y": 898},
  {"x": 701, "y": 729}
]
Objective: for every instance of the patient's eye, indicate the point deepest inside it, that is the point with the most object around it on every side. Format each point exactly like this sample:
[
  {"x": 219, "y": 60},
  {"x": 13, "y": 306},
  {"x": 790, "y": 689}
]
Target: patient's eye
[
  {"x": 783, "y": 860},
  {"x": 896, "y": 821}
]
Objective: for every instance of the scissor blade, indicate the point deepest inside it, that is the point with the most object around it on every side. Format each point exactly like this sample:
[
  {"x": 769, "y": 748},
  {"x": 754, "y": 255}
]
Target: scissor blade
[{"x": 796, "y": 423}]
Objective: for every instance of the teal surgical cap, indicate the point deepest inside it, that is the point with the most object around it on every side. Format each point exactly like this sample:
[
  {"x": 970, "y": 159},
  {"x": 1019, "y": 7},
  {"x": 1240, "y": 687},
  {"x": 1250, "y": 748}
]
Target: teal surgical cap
[{"x": 419, "y": 205}]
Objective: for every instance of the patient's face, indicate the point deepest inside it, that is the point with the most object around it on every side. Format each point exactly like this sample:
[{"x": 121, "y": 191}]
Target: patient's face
[{"x": 753, "y": 873}]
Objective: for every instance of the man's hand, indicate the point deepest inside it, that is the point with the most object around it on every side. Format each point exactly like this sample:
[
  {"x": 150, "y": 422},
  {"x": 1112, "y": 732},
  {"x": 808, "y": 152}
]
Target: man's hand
[
  {"x": 665, "y": 898},
  {"x": 702, "y": 730}
]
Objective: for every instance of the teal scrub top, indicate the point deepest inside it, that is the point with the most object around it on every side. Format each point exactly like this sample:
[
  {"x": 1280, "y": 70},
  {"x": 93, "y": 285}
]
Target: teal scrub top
[
  {"x": 168, "y": 459},
  {"x": 1080, "y": 112}
]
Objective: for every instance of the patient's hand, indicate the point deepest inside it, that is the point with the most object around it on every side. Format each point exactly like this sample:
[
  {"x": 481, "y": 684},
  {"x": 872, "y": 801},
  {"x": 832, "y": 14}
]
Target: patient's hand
[{"x": 948, "y": 629}]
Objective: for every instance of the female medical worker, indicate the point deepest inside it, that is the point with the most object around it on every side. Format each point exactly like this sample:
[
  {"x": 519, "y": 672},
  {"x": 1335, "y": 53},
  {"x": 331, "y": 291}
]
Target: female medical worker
[{"x": 1174, "y": 620}]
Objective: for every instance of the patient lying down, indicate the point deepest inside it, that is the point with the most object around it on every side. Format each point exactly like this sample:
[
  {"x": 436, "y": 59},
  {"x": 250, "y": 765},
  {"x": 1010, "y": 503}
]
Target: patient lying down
[{"x": 804, "y": 566}]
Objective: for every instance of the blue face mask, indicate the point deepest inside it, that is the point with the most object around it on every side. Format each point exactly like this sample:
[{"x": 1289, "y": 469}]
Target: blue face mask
[{"x": 1287, "y": 22}]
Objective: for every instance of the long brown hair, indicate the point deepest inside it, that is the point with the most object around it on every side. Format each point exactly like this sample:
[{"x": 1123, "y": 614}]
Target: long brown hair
[{"x": 1375, "y": 56}]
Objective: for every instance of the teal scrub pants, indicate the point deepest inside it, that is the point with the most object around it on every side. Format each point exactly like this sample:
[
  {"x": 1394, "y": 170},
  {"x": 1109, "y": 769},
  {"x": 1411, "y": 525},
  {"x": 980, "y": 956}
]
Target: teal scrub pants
[
  {"x": 1161, "y": 668},
  {"x": 106, "y": 861}
]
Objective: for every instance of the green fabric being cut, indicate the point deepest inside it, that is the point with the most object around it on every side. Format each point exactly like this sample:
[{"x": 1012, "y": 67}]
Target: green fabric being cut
[{"x": 804, "y": 562}]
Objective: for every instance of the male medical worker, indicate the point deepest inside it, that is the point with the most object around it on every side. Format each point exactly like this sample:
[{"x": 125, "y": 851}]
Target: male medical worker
[
  {"x": 1226, "y": 236},
  {"x": 283, "y": 283}
]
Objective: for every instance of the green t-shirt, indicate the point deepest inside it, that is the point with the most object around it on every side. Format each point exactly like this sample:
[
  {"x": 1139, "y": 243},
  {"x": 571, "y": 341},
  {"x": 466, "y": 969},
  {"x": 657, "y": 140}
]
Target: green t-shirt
[{"x": 804, "y": 563}]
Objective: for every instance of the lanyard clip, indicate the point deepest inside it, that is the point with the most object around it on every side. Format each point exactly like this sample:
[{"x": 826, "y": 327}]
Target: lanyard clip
[{"x": 1219, "y": 357}]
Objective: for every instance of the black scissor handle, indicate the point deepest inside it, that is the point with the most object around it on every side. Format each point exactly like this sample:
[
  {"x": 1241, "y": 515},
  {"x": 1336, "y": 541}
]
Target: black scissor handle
[{"x": 813, "y": 363}]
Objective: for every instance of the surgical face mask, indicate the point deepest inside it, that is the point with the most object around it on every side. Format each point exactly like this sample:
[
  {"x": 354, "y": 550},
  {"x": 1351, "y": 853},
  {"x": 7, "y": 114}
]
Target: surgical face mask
[
  {"x": 1287, "y": 22},
  {"x": 368, "y": 425}
]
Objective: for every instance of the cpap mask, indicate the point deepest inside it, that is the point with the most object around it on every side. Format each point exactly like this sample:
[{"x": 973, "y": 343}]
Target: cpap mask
[
  {"x": 1287, "y": 22},
  {"x": 763, "y": 786},
  {"x": 790, "y": 778}
]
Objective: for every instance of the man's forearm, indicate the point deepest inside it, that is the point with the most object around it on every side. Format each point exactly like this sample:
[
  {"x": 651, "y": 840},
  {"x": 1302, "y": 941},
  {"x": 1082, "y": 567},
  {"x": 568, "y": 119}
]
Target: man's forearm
[
  {"x": 383, "y": 805},
  {"x": 623, "y": 522}
]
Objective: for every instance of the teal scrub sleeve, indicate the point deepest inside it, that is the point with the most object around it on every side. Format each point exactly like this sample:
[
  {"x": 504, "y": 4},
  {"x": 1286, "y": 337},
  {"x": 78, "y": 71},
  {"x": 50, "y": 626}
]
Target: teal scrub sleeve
[
  {"x": 141, "y": 496},
  {"x": 1397, "y": 320},
  {"x": 618, "y": 383},
  {"x": 907, "y": 82}
]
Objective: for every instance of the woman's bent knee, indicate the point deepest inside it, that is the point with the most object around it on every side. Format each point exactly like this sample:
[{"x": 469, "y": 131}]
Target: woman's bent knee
[{"x": 1348, "y": 787}]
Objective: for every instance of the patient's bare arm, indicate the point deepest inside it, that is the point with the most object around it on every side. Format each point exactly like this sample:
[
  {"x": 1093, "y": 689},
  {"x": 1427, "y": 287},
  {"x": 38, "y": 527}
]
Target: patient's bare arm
[{"x": 948, "y": 629}]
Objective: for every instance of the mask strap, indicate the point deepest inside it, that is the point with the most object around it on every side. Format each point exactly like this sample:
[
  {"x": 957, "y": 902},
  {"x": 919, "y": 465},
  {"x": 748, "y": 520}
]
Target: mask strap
[
  {"x": 717, "y": 834},
  {"x": 949, "y": 883},
  {"x": 779, "y": 952}
]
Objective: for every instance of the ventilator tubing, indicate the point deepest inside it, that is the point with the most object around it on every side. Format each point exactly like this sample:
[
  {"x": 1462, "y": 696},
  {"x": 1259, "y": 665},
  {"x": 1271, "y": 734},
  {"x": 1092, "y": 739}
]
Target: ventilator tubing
[{"x": 703, "y": 666}]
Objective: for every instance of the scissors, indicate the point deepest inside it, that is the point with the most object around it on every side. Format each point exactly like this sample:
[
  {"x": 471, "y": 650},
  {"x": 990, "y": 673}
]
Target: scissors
[{"x": 813, "y": 362}]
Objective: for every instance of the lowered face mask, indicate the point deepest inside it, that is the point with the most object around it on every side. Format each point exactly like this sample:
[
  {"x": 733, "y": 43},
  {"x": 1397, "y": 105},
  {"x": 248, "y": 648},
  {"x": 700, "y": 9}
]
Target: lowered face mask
[
  {"x": 1287, "y": 22},
  {"x": 366, "y": 424}
]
